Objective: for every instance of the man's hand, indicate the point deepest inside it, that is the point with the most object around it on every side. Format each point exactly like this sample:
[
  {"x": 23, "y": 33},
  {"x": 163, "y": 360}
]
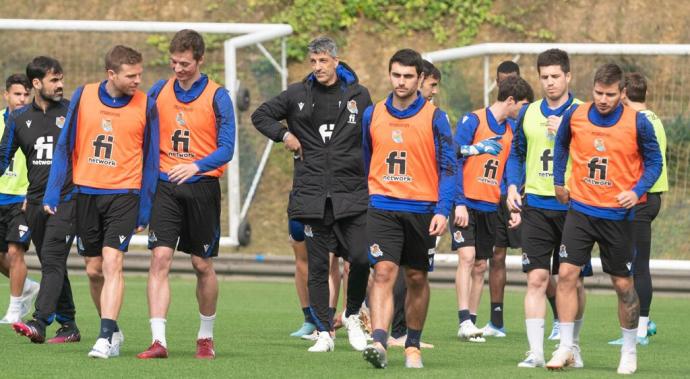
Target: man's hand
[
  {"x": 515, "y": 220},
  {"x": 514, "y": 200},
  {"x": 24, "y": 206},
  {"x": 552, "y": 124},
  {"x": 292, "y": 144},
  {"x": 462, "y": 218},
  {"x": 487, "y": 146},
  {"x": 438, "y": 225},
  {"x": 47, "y": 209},
  {"x": 562, "y": 194},
  {"x": 181, "y": 172},
  {"x": 627, "y": 199}
]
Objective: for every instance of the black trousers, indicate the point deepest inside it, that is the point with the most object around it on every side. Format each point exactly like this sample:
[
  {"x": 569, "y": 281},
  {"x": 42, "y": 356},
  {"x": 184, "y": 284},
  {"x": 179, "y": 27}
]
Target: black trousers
[
  {"x": 642, "y": 226},
  {"x": 52, "y": 236},
  {"x": 347, "y": 237}
]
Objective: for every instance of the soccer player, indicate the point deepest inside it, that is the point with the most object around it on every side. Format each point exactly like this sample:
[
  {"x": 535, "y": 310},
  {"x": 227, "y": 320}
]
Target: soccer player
[
  {"x": 35, "y": 129},
  {"x": 543, "y": 216},
  {"x": 478, "y": 191},
  {"x": 197, "y": 128},
  {"x": 615, "y": 160},
  {"x": 635, "y": 97},
  {"x": 14, "y": 240},
  {"x": 429, "y": 88},
  {"x": 110, "y": 138},
  {"x": 329, "y": 192},
  {"x": 505, "y": 237},
  {"x": 410, "y": 158}
]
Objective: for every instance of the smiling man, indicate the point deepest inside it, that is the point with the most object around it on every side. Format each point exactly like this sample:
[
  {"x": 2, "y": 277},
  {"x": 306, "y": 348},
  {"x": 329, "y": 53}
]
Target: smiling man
[
  {"x": 615, "y": 160},
  {"x": 110, "y": 139},
  {"x": 197, "y": 127},
  {"x": 329, "y": 189}
]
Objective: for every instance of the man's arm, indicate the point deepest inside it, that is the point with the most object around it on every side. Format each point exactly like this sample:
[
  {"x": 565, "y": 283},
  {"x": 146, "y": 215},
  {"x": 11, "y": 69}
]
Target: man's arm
[
  {"x": 464, "y": 135},
  {"x": 63, "y": 149},
  {"x": 8, "y": 145},
  {"x": 446, "y": 163},
  {"x": 561, "y": 150},
  {"x": 651, "y": 155},
  {"x": 225, "y": 123},
  {"x": 515, "y": 167},
  {"x": 367, "y": 147},
  {"x": 266, "y": 118},
  {"x": 151, "y": 162}
]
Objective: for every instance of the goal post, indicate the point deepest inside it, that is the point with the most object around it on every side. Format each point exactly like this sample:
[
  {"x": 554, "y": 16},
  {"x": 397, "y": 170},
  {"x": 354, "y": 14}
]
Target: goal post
[{"x": 241, "y": 35}]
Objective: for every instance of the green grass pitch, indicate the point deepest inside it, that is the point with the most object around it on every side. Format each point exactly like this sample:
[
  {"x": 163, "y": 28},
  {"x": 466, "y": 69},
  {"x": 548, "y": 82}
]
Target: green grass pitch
[{"x": 255, "y": 318}]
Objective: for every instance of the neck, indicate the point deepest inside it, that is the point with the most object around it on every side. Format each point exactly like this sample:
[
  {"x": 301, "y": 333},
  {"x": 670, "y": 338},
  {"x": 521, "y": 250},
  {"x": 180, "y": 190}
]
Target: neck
[
  {"x": 637, "y": 106},
  {"x": 42, "y": 102},
  {"x": 112, "y": 90},
  {"x": 187, "y": 84},
  {"x": 553, "y": 104},
  {"x": 403, "y": 103},
  {"x": 500, "y": 111}
]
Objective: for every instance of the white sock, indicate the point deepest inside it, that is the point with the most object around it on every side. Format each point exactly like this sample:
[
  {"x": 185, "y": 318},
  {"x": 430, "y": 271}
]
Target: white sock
[
  {"x": 28, "y": 283},
  {"x": 567, "y": 333},
  {"x": 642, "y": 326},
  {"x": 15, "y": 302},
  {"x": 206, "y": 326},
  {"x": 576, "y": 331},
  {"x": 535, "y": 335},
  {"x": 629, "y": 340},
  {"x": 158, "y": 330}
]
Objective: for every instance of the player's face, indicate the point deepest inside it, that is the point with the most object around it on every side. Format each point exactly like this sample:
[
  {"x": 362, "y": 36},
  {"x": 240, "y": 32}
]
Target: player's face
[
  {"x": 16, "y": 97},
  {"x": 127, "y": 79},
  {"x": 606, "y": 97},
  {"x": 323, "y": 66},
  {"x": 50, "y": 87},
  {"x": 404, "y": 80},
  {"x": 184, "y": 65},
  {"x": 554, "y": 82},
  {"x": 430, "y": 88}
]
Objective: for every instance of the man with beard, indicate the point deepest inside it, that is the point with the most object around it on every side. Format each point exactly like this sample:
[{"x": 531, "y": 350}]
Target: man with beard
[{"x": 35, "y": 130}]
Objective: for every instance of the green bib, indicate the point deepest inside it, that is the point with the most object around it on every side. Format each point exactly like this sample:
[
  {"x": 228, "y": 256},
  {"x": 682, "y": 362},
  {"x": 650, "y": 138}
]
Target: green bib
[
  {"x": 14, "y": 181},
  {"x": 661, "y": 184},
  {"x": 539, "y": 157}
]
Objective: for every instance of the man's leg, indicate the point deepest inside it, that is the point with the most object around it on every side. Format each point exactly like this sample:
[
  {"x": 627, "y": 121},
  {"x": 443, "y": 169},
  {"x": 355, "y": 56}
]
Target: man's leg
[
  {"x": 416, "y": 307},
  {"x": 535, "y": 311},
  {"x": 18, "y": 270},
  {"x": 642, "y": 276},
  {"x": 206, "y": 295},
  {"x": 334, "y": 280},
  {"x": 497, "y": 284},
  {"x": 381, "y": 306},
  {"x": 628, "y": 316},
  {"x": 399, "y": 327},
  {"x": 566, "y": 301},
  {"x": 477, "y": 286},
  {"x": 4, "y": 264},
  {"x": 94, "y": 271},
  {"x": 158, "y": 291},
  {"x": 299, "y": 248},
  {"x": 113, "y": 290},
  {"x": 463, "y": 280},
  {"x": 320, "y": 240}
]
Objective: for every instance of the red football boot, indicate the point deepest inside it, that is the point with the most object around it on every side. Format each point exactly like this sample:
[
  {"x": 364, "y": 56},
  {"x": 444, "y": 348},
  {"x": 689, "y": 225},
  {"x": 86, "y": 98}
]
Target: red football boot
[
  {"x": 156, "y": 350},
  {"x": 32, "y": 329},
  {"x": 204, "y": 349}
]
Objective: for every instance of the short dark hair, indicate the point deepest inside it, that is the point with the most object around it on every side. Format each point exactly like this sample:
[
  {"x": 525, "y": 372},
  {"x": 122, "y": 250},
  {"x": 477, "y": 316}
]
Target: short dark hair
[
  {"x": 40, "y": 66},
  {"x": 188, "y": 39},
  {"x": 516, "y": 87},
  {"x": 609, "y": 74},
  {"x": 407, "y": 57},
  {"x": 636, "y": 87},
  {"x": 554, "y": 57},
  {"x": 119, "y": 55},
  {"x": 430, "y": 71},
  {"x": 17, "y": 79},
  {"x": 508, "y": 67}
]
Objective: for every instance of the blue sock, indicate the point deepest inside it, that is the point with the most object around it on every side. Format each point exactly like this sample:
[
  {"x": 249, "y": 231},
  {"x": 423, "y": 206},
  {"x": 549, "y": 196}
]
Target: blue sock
[
  {"x": 463, "y": 315},
  {"x": 473, "y": 317},
  {"x": 413, "y": 338},
  {"x": 108, "y": 327},
  {"x": 307, "y": 315},
  {"x": 331, "y": 315},
  {"x": 381, "y": 336}
]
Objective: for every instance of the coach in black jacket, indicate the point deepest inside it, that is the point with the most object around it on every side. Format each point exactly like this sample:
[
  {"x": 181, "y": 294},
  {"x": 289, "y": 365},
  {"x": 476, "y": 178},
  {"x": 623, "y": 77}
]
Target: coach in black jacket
[{"x": 329, "y": 192}]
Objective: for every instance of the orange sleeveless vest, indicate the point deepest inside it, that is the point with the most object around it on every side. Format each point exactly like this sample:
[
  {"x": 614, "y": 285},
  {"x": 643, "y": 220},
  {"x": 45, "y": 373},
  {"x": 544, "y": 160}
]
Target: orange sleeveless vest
[
  {"x": 108, "y": 149},
  {"x": 187, "y": 130},
  {"x": 482, "y": 174},
  {"x": 605, "y": 161},
  {"x": 403, "y": 160}
]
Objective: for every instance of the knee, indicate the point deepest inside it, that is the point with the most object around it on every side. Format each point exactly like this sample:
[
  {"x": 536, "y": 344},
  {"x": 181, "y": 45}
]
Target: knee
[
  {"x": 202, "y": 266},
  {"x": 160, "y": 264},
  {"x": 466, "y": 258},
  {"x": 416, "y": 279},
  {"x": 622, "y": 284},
  {"x": 15, "y": 253},
  {"x": 383, "y": 274},
  {"x": 537, "y": 281},
  {"x": 479, "y": 267},
  {"x": 94, "y": 271}
]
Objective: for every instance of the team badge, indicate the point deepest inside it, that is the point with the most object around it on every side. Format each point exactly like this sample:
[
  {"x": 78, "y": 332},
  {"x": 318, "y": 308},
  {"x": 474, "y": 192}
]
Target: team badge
[
  {"x": 352, "y": 107},
  {"x": 180, "y": 119},
  {"x": 525, "y": 259},
  {"x": 375, "y": 251},
  {"x": 397, "y": 136},
  {"x": 432, "y": 251},
  {"x": 22, "y": 230},
  {"x": 457, "y": 237},
  {"x": 107, "y": 125},
  {"x": 60, "y": 121},
  {"x": 152, "y": 237},
  {"x": 599, "y": 145},
  {"x": 562, "y": 252},
  {"x": 308, "y": 232}
]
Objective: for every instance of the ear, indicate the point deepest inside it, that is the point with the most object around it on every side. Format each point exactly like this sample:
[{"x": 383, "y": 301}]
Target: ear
[
  {"x": 200, "y": 61},
  {"x": 36, "y": 83}
]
